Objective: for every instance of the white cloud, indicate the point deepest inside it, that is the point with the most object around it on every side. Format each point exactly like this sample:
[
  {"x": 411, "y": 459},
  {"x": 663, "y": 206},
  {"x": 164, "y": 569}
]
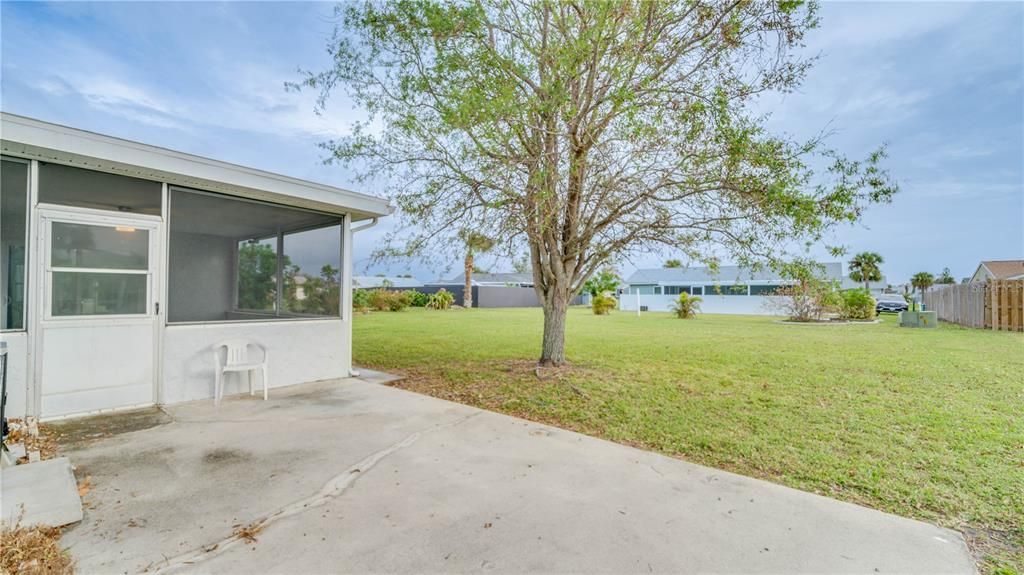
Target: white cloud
[
  {"x": 881, "y": 103},
  {"x": 868, "y": 24},
  {"x": 954, "y": 189}
]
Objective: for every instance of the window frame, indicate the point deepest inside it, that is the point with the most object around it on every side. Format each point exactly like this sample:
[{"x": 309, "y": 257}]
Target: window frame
[
  {"x": 276, "y": 315},
  {"x": 50, "y": 213},
  {"x": 27, "y": 273},
  {"x": 730, "y": 290},
  {"x": 770, "y": 292}
]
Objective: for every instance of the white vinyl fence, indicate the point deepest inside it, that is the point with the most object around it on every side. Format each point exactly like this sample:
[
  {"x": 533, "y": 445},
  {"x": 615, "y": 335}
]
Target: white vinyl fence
[{"x": 725, "y": 304}]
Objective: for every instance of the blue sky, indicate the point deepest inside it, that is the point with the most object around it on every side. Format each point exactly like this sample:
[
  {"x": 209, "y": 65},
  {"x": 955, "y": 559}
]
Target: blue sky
[{"x": 941, "y": 83}]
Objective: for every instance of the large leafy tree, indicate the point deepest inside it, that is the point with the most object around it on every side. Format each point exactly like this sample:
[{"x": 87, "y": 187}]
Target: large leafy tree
[
  {"x": 586, "y": 130},
  {"x": 866, "y": 267}
]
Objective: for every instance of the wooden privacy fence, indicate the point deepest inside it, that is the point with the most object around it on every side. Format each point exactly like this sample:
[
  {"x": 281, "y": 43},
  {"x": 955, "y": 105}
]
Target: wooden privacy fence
[{"x": 997, "y": 304}]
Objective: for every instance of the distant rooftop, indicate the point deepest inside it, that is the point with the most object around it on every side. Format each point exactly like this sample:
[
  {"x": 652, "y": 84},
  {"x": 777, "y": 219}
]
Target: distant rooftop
[{"x": 1005, "y": 269}]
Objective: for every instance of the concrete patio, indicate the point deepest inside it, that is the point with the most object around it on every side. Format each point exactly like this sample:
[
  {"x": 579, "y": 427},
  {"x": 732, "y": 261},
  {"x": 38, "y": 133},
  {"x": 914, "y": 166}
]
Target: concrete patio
[{"x": 353, "y": 476}]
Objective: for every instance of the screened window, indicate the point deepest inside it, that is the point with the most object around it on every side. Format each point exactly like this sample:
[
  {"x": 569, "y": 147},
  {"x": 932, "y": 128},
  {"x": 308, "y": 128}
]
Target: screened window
[
  {"x": 257, "y": 274},
  {"x": 312, "y": 270},
  {"x": 67, "y": 186},
  {"x": 232, "y": 259},
  {"x": 740, "y": 289},
  {"x": 676, "y": 290},
  {"x": 98, "y": 270},
  {"x": 13, "y": 227},
  {"x": 764, "y": 289}
]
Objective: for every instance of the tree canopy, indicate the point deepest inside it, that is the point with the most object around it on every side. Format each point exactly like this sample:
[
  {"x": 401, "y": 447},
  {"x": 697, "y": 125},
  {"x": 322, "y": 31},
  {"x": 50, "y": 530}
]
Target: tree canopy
[
  {"x": 605, "y": 280},
  {"x": 865, "y": 267},
  {"x": 584, "y": 131},
  {"x": 922, "y": 281},
  {"x": 946, "y": 277}
]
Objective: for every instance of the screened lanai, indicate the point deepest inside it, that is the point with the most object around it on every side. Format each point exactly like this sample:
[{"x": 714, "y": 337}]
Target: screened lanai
[{"x": 234, "y": 259}]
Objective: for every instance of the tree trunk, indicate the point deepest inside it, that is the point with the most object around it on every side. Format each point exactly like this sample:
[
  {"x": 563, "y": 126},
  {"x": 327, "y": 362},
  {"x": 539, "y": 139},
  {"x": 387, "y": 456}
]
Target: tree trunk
[
  {"x": 553, "y": 348},
  {"x": 866, "y": 287},
  {"x": 467, "y": 294}
]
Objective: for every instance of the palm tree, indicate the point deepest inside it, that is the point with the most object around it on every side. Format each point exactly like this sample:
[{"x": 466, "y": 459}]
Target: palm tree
[
  {"x": 922, "y": 281},
  {"x": 475, "y": 243},
  {"x": 864, "y": 268}
]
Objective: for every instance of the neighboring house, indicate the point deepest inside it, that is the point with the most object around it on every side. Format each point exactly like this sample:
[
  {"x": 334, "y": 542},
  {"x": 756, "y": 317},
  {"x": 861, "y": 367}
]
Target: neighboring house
[
  {"x": 730, "y": 290},
  {"x": 123, "y": 264},
  {"x": 491, "y": 290},
  {"x": 998, "y": 270},
  {"x": 393, "y": 282}
]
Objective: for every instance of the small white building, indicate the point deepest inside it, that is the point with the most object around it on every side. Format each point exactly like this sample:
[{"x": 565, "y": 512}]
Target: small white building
[
  {"x": 730, "y": 290},
  {"x": 123, "y": 264}
]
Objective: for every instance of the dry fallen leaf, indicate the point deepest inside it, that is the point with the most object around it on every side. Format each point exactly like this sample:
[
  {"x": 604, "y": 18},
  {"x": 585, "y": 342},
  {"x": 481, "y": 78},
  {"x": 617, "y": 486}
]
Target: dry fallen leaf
[
  {"x": 85, "y": 486},
  {"x": 249, "y": 532}
]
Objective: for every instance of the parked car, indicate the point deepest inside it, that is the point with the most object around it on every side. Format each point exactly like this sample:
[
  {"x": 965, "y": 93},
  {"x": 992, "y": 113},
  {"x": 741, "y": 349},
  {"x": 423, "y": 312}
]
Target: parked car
[{"x": 890, "y": 302}]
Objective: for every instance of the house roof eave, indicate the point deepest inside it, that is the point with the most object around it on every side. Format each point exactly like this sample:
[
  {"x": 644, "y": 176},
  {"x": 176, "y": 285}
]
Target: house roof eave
[{"x": 44, "y": 141}]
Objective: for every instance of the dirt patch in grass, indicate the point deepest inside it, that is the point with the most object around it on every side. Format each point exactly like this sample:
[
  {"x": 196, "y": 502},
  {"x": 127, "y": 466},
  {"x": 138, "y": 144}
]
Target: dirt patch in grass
[
  {"x": 499, "y": 386},
  {"x": 999, "y": 552},
  {"x": 33, "y": 550}
]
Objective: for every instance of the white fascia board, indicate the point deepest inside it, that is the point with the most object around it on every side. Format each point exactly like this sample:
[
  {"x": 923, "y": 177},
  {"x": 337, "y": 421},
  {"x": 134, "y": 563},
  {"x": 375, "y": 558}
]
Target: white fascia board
[{"x": 35, "y": 139}]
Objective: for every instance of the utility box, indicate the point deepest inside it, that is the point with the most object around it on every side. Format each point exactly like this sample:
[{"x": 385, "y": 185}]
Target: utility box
[{"x": 928, "y": 319}]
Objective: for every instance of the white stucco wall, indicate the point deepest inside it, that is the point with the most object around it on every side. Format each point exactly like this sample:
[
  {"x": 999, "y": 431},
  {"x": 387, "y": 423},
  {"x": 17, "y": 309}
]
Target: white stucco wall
[
  {"x": 731, "y": 304},
  {"x": 17, "y": 371},
  {"x": 300, "y": 351}
]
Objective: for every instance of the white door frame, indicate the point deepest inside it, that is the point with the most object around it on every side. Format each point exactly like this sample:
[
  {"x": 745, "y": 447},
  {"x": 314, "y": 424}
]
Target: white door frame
[{"x": 45, "y": 215}]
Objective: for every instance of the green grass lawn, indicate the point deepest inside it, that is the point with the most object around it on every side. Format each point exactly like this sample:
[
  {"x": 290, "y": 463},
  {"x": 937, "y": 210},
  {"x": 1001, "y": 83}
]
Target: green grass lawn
[{"x": 922, "y": 423}]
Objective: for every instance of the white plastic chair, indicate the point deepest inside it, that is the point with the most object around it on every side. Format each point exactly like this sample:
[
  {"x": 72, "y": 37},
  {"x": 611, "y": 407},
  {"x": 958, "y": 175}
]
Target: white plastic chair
[{"x": 237, "y": 359}]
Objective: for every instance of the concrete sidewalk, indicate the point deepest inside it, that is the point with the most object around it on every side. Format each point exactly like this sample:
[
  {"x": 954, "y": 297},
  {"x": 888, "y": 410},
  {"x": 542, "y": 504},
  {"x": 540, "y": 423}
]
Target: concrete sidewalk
[{"x": 350, "y": 476}]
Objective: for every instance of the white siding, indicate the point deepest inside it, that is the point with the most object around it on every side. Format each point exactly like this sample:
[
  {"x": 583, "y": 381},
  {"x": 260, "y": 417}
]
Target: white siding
[
  {"x": 300, "y": 351},
  {"x": 726, "y": 304},
  {"x": 17, "y": 372}
]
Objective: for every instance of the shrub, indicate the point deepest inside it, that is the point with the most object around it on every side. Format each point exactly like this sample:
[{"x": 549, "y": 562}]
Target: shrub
[
  {"x": 858, "y": 304},
  {"x": 603, "y": 303},
  {"x": 417, "y": 298},
  {"x": 441, "y": 299},
  {"x": 809, "y": 300},
  {"x": 686, "y": 306},
  {"x": 399, "y": 300},
  {"x": 387, "y": 300},
  {"x": 360, "y": 299},
  {"x": 380, "y": 299}
]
